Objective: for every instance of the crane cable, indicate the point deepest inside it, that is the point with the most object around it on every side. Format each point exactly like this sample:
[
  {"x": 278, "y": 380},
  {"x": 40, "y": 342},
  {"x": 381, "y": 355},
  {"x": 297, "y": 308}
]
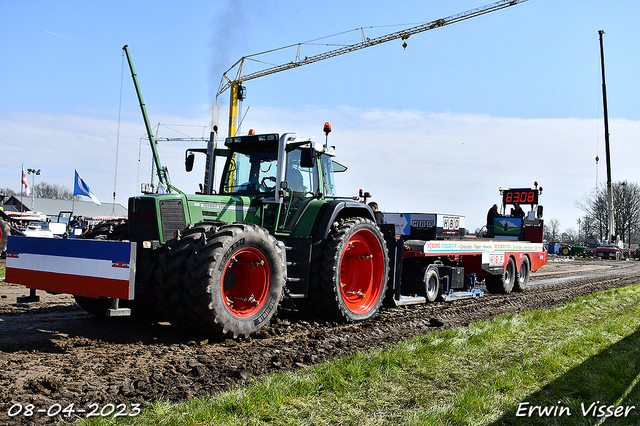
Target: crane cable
[
  {"x": 227, "y": 82},
  {"x": 115, "y": 177}
]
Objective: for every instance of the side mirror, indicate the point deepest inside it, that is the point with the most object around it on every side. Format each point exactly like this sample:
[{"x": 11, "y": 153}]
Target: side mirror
[
  {"x": 307, "y": 158},
  {"x": 188, "y": 161},
  {"x": 539, "y": 211}
]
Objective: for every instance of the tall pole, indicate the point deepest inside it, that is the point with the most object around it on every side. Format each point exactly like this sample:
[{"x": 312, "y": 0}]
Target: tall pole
[
  {"x": 606, "y": 144},
  {"x": 21, "y": 185}
]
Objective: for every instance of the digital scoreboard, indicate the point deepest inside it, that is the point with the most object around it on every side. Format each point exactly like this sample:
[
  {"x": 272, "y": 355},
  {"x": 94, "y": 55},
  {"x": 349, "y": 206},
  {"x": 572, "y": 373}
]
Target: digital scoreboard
[{"x": 520, "y": 196}]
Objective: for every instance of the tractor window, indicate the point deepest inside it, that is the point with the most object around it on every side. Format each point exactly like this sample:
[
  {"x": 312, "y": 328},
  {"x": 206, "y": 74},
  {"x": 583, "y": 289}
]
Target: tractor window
[
  {"x": 250, "y": 173},
  {"x": 300, "y": 179},
  {"x": 303, "y": 183},
  {"x": 329, "y": 178}
]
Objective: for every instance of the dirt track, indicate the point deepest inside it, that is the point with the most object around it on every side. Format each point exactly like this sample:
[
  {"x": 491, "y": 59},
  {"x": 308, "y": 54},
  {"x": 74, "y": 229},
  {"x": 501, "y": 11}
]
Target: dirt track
[{"x": 51, "y": 352}]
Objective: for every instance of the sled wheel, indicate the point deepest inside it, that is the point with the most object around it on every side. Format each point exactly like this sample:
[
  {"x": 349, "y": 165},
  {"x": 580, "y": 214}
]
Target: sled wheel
[
  {"x": 354, "y": 270},
  {"x": 522, "y": 278},
  {"x": 503, "y": 283},
  {"x": 234, "y": 280},
  {"x": 432, "y": 284}
]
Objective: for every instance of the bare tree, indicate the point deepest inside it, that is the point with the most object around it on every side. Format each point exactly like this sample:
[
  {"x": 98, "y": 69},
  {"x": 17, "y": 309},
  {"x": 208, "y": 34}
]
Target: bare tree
[
  {"x": 8, "y": 192},
  {"x": 569, "y": 236},
  {"x": 552, "y": 230},
  {"x": 55, "y": 191},
  {"x": 626, "y": 201}
]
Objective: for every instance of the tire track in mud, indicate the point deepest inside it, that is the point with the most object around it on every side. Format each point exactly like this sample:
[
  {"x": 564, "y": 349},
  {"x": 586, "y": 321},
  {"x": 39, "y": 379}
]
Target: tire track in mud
[{"x": 61, "y": 355}]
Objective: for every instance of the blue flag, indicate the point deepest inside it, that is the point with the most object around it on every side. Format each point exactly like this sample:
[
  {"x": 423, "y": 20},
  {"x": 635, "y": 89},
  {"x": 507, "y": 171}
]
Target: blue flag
[{"x": 81, "y": 188}]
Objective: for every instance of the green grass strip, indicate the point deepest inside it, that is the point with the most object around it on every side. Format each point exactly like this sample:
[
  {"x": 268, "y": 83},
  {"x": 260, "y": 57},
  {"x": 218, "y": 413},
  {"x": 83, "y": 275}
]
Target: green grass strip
[{"x": 565, "y": 358}]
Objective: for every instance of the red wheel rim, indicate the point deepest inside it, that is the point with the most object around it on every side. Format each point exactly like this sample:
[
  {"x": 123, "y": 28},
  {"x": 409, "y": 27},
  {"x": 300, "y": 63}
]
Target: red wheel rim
[
  {"x": 361, "y": 272},
  {"x": 246, "y": 282}
]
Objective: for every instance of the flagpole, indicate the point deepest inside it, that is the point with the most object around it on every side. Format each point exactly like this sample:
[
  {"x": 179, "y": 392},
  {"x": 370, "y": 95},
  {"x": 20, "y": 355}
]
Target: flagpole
[
  {"x": 73, "y": 198},
  {"x": 21, "y": 174}
]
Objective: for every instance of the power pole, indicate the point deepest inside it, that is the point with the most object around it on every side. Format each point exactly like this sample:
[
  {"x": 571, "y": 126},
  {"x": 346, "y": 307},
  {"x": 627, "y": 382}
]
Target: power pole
[{"x": 612, "y": 232}]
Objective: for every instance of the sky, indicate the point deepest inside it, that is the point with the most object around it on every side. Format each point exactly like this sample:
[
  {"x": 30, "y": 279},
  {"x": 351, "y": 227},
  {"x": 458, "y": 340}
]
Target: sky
[{"x": 502, "y": 100}]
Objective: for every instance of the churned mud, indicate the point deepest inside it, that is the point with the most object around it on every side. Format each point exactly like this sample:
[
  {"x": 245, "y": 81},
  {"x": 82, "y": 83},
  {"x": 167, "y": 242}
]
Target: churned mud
[{"x": 53, "y": 354}]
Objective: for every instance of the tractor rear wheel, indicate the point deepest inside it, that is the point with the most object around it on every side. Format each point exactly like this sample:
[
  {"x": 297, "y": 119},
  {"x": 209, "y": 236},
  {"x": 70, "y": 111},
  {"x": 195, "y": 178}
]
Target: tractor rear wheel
[
  {"x": 234, "y": 280},
  {"x": 522, "y": 278},
  {"x": 503, "y": 283},
  {"x": 172, "y": 268},
  {"x": 354, "y": 270}
]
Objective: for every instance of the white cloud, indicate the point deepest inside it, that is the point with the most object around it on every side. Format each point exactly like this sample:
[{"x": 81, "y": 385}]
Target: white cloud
[{"x": 412, "y": 161}]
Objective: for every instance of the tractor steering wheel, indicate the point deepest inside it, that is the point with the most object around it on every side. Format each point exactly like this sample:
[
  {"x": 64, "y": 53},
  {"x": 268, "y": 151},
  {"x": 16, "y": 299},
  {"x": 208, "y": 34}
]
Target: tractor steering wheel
[{"x": 264, "y": 180}]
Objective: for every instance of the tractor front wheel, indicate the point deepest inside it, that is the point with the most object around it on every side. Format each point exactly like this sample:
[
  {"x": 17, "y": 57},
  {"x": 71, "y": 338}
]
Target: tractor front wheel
[
  {"x": 234, "y": 280},
  {"x": 96, "y": 307},
  {"x": 354, "y": 270}
]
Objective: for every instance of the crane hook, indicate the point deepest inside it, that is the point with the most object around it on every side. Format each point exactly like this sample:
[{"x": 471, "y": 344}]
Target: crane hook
[{"x": 404, "y": 38}]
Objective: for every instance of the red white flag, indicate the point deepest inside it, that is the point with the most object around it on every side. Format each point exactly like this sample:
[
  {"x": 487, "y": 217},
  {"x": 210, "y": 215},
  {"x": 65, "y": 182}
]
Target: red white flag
[{"x": 24, "y": 182}]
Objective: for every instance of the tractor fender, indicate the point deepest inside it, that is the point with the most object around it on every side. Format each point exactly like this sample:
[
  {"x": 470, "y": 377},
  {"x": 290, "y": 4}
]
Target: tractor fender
[{"x": 336, "y": 209}]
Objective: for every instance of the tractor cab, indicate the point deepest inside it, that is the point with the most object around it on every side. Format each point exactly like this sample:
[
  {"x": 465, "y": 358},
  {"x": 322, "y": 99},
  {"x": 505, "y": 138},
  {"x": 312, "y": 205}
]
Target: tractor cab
[{"x": 276, "y": 177}]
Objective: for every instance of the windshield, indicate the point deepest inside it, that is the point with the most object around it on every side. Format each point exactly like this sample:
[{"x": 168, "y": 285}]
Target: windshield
[
  {"x": 255, "y": 172},
  {"x": 250, "y": 173}
]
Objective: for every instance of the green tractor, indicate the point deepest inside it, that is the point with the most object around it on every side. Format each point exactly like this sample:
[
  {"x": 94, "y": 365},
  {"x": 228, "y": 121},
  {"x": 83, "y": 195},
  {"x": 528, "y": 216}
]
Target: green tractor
[
  {"x": 572, "y": 250},
  {"x": 223, "y": 260}
]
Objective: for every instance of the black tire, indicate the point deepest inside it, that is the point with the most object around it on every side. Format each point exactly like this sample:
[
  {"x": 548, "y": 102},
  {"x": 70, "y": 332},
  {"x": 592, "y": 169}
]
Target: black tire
[
  {"x": 503, "y": 283},
  {"x": 432, "y": 287},
  {"x": 5, "y": 231},
  {"x": 564, "y": 251},
  {"x": 117, "y": 230},
  {"x": 353, "y": 285},
  {"x": 93, "y": 306},
  {"x": 172, "y": 268},
  {"x": 223, "y": 301},
  {"x": 521, "y": 280}
]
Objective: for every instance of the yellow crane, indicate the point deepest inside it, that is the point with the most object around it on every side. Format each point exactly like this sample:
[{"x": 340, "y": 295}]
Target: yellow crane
[{"x": 238, "y": 92}]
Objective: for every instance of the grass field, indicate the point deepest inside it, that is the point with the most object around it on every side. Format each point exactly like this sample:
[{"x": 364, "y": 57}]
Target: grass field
[{"x": 576, "y": 357}]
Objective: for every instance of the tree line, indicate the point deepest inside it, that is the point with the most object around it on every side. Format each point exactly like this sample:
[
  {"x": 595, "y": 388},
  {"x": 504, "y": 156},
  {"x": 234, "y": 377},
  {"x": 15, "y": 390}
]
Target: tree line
[
  {"x": 44, "y": 190},
  {"x": 595, "y": 222}
]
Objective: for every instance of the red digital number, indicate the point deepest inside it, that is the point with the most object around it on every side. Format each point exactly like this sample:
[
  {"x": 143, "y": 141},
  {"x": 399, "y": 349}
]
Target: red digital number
[{"x": 519, "y": 197}]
